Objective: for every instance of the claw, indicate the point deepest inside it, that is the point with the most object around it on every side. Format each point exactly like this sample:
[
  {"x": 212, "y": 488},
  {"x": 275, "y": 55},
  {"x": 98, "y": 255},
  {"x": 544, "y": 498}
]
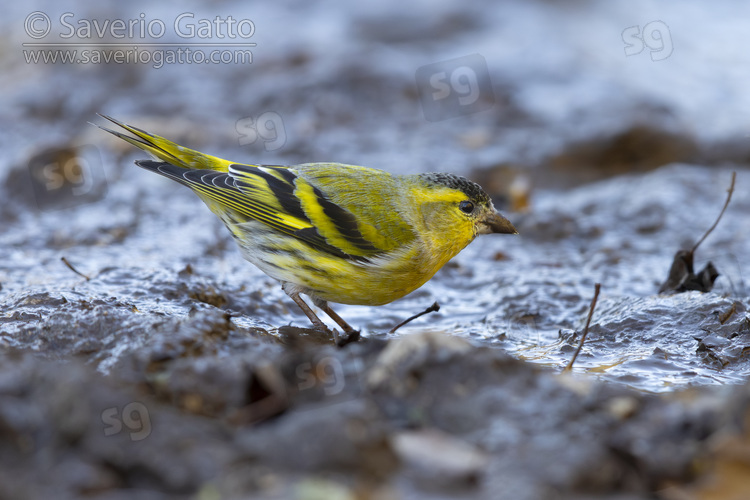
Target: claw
[{"x": 345, "y": 339}]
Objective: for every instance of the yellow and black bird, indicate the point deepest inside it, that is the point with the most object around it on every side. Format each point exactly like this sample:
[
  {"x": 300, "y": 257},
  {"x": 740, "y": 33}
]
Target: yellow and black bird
[{"x": 337, "y": 233}]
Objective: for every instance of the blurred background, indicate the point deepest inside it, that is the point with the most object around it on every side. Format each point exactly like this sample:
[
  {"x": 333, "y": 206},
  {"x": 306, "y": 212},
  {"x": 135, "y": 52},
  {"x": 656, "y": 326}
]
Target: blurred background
[
  {"x": 606, "y": 131},
  {"x": 418, "y": 87}
]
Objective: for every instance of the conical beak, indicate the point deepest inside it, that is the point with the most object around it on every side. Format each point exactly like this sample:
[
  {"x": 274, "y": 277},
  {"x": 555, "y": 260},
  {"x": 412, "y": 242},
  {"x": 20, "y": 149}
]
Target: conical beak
[{"x": 496, "y": 223}]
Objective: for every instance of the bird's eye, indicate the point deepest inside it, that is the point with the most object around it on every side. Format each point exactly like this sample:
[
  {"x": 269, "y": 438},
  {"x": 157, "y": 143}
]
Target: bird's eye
[{"x": 466, "y": 207}]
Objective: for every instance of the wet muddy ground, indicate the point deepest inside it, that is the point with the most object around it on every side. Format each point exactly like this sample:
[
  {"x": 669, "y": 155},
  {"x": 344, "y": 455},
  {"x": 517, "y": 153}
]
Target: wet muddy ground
[{"x": 171, "y": 368}]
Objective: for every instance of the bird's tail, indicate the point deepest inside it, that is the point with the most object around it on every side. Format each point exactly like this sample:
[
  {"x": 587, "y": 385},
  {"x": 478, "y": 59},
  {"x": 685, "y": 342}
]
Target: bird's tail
[{"x": 167, "y": 150}]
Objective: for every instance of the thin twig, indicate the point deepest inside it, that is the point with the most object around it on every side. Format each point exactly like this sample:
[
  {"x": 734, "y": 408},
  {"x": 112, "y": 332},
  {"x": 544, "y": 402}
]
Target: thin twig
[
  {"x": 433, "y": 308},
  {"x": 70, "y": 266},
  {"x": 586, "y": 328},
  {"x": 726, "y": 204}
]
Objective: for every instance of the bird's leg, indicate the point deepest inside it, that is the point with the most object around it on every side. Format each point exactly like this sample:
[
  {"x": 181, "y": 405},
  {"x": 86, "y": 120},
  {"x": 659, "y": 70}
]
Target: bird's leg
[
  {"x": 317, "y": 323},
  {"x": 351, "y": 335},
  {"x": 335, "y": 317}
]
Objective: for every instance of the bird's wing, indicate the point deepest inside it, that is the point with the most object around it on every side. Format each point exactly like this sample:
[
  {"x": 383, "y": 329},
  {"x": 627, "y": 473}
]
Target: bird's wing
[
  {"x": 279, "y": 198},
  {"x": 296, "y": 200},
  {"x": 340, "y": 209}
]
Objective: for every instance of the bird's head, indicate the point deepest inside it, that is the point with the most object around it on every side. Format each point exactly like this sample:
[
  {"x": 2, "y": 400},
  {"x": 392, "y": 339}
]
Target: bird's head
[{"x": 453, "y": 207}]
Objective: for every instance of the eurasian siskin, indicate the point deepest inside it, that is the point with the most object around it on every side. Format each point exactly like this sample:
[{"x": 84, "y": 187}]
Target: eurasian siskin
[{"x": 334, "y": 232}]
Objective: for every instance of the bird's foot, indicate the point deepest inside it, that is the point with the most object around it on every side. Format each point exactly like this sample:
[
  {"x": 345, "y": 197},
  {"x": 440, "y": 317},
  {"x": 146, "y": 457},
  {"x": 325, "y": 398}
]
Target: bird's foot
[{"x": 346, "y": 338}]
